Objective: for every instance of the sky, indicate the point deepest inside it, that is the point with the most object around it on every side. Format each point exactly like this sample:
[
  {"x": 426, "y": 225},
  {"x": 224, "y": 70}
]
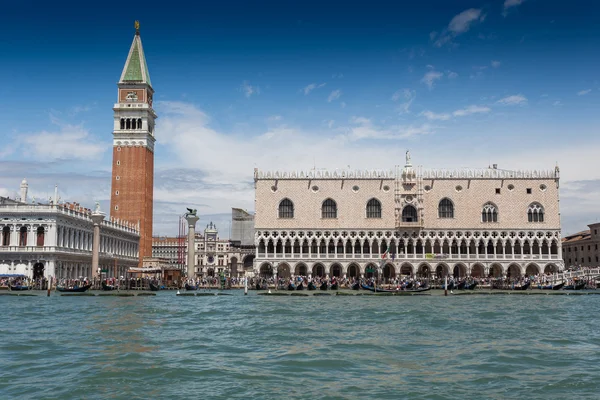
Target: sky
[{"x": 294, "y": 86}]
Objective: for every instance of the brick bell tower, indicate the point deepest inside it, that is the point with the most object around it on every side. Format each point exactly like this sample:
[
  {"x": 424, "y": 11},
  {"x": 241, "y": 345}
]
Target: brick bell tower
[{"x": 133, "y": 146}]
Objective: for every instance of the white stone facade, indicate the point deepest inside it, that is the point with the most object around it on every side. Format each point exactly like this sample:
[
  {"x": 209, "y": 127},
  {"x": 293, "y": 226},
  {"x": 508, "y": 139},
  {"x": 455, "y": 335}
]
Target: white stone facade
[
  {"x": 475, "y": 222},
  {"x": 47, "y": 240}
]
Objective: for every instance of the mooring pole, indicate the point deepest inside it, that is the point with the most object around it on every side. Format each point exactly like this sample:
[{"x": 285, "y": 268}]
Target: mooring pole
[
  {"x": 446, "y": 287},
  {"x": 49, "y": 286}
]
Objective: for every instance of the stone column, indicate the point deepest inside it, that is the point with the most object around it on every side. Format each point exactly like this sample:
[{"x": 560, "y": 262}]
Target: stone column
[
  {"x": 97, "y": 218},
  {"x": 191, "y": 256}
]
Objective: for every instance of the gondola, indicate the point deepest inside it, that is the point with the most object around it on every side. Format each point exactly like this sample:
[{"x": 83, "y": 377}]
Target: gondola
[
  {"x": 108, "y": 288},
  {"x": 553, "y": 287},
  {"x": 522, "y": 287},
  {"x": 451, "y": 285},
  {"x": 356, "y": 286},
  {"x": 334, "y": 286},
  {"x": 312, "y": 286},
  {"x": 191, "y": 287},
  {"x": 18, "y": 288},
  {"x": 471, "y": 286},
  {"x": 382, "y": 290},
  {"x": 76, "y": 289},
  {"x": 291, "y": 286},
  {"x": 323, "y": 286},
  {"x": 461, "y": 285},
  {"x": 576, "y": 286},
  {"x": 300, "y": 286},
  {"x": 154, "y": 287}
]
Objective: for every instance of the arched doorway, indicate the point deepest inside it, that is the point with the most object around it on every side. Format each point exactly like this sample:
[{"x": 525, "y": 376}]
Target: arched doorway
[
  {"x": 389, "y": 271},
  {"x": 301, "y": 270},
  {"x": 477, "y": 271},
  {"x": 550, "y": 269},
  {"x": 441, "y": 270},
  {"x": 266, "y": 270},
  {"x": 459, "y": 271},
  {"x": 371, "y": 271},
  {"x": 210, "y": 272},
  {"x": 38, "y": 270},
  {"x": 284, "y": 271},
  {"x": 248, "y": 261},
  {"x": 318, "y": 270},
  {"x": 234, "y": 267},
  {"x": 532, "y": 269},
  {"x": 336, "y": 270},
  {"x": 424, "y": 271},
  {"x": 496, "y": 271},
  {"x": 353, "y": 271},
  {"x": 406, "y": 269},
  {"x": 514, "y": 271}
]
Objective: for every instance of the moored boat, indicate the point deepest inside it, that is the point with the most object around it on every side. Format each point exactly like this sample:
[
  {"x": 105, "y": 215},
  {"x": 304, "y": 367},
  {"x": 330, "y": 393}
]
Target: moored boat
[
  {"x": 18, "y": 288},
  {"x": 553, "y": 287},
  {"x": 300, "y": 286},
  {"x": 291, "y": 286},
  {"x": 471, "y": 286},
  {"x": 334, "y": 286},
  {"x": 356, "y": 286},
  {"x": 525, "y": 286},
  {"x": 191, "y": 287},
  {"x": 576, "y": 286},
  {"x": 107, "y": 288},
  {"x": 74, "y": 289},
  {"x": 154, "y": 287},
  {"x": 462, "y": 285},
  {"x": 323, "y": 286},
  {"x": 311, "y": 286}
]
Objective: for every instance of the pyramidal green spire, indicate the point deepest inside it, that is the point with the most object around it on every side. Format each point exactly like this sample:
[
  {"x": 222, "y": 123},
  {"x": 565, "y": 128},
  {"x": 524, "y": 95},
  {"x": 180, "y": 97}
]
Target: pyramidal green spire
[{"x": 136, "y": 70}]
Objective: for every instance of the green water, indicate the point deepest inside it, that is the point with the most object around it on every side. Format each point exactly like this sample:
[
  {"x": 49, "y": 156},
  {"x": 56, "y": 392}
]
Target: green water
[{"x": 228, "y": 347}]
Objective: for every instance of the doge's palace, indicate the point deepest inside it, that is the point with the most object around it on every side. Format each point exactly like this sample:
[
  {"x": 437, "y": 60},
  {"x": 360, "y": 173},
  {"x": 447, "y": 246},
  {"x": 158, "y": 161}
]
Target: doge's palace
[{"x": 409, "y": 221}]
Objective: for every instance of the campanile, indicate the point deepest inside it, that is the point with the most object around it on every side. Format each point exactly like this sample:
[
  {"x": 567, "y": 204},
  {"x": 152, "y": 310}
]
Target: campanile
[{"x": 133, "y": 146}]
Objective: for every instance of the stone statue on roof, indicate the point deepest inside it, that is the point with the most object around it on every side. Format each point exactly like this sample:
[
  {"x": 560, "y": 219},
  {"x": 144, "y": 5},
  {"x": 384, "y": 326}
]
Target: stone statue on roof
[
  {"x": 97, "y": 209},
  {"x": 407, "y": 157}
]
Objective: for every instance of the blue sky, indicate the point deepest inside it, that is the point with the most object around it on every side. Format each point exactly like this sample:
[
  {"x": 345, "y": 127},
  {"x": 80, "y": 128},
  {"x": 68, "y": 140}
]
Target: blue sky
[{"x": 292, "y": 86}]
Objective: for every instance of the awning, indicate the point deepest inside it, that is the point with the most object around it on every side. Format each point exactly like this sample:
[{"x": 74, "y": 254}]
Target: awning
[{"x": 137, "y": 270}]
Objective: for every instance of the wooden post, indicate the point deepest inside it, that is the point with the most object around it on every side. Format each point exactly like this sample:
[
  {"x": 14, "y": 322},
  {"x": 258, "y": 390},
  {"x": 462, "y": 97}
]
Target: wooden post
[
  {"x": 49, "y": 286},
  {"x": 446, "y": 287}
]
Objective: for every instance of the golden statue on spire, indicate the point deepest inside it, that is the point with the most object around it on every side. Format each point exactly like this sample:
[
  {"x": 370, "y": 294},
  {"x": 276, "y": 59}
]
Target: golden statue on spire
[{"x": 137, "y": 26}]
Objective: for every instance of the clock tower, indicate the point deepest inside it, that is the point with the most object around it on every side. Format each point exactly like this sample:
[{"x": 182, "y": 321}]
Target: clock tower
[{"x": 133, "y": 146}]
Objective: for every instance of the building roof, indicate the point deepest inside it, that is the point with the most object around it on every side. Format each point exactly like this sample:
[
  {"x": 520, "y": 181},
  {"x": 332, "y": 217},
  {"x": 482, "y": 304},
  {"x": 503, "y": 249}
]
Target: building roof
[
  {"x": 136, "y": 70},
  {"x": 576, "y": 237}
]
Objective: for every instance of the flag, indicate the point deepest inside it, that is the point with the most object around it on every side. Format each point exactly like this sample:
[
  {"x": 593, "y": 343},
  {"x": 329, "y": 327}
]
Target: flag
[{"x": 385, "y": 254}]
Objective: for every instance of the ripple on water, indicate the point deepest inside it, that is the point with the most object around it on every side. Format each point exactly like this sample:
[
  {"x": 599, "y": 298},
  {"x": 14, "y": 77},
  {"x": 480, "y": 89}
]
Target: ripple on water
[{"x": 308, "y": 347}]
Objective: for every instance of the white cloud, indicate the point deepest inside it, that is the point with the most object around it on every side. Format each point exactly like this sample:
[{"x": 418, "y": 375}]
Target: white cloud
[
  {"x": 583, "y": 92},
  {"x": 334, "y": 95},
  {"x": 557, "y": 103},
  {"x": 408, "y": 96},
  {"x": 70, "y": 142},
  {"x": 430, "y": 115},
  {"x": 274, "y": 118},
  {"x": 309, "y": 88},
  {"x": 517, "y": 99},
  {"x": 510, "y": 4},
  {"x": 365, "y": 129},
  {"x": 495, "y": 63},
  {"x": 343, "y": 104},
  {"x": 471, "y": 110},
  {"x": 248, "y": 89},
  {"x": 452, "y": 74},
  {"x": 458, "y": 25},
  {"x": 430, "y": 77}
]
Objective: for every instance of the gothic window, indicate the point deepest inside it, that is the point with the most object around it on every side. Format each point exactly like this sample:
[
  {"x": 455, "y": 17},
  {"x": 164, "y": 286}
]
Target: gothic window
[
  {"x": 446, "y": 209},
  {"x": 535, "y": 213},
  {"x": 122, "y": 123},
  {"x": 374, "y": 209},
  {"x": 128, "y": 124},
  {"x": 286, "y": 209},
  {"x": 139, "y": 123},
  {"x": 489, "y": 213},
  {"x": 409, "y": 214},
  {"x": 329, "y": 209}
]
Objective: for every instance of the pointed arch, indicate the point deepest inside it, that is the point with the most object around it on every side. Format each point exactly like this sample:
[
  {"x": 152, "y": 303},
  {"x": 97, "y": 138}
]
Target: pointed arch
[
  {"x": 329, "y": 209},
  {"x": 373, "y": 208},
  {"x": 535, "y": 213},
  {"x": 409, "y": 214},
  {"x": 489, "y": 212},
  {"x": 286, "y": 208},
  {"x": 446, "y": 208}
]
